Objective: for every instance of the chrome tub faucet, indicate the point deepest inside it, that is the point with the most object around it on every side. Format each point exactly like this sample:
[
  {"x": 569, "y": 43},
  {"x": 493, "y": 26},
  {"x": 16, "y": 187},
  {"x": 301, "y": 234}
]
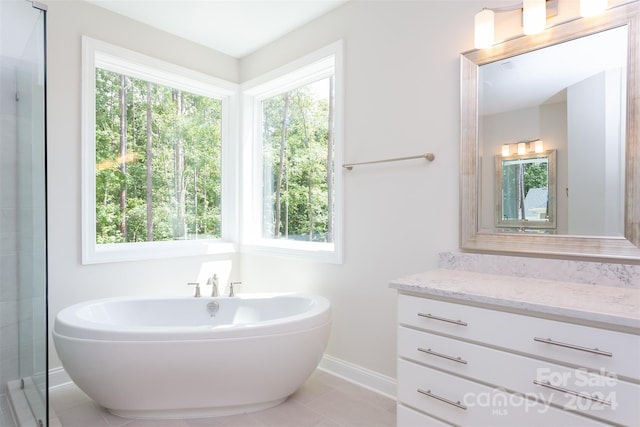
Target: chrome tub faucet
[
  {"x": 197, "y": 285},
  {"x": 213, "y": 281},
  {"x": 231, "y": 293}
]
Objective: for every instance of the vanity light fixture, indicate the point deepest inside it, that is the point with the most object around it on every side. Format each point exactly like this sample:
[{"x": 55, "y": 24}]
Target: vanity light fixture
[
  {"x": 522, "y": 148},
  {"x": 534, "y": 18},
  {"x": 538, "y": 146},
  {"x": 484, "y": 28},
  {"x": 534, "y": 15}
]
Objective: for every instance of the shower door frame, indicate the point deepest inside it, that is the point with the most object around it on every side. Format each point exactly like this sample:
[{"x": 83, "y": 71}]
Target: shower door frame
[{"x": 31, "y": 225}]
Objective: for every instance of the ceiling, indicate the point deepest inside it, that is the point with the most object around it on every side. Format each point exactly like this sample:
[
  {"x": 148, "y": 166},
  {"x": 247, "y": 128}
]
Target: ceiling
[
  {"x": 234, "y": 27},
  {"x": 541, "y": 76}
]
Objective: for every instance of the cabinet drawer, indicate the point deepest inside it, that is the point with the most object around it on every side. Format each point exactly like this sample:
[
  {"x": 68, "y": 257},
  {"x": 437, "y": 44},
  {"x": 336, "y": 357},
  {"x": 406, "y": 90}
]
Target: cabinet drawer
[
  {"x": 581, "y": 346},
  {"x": 571, "y": 388},
  {"x": 467, "y": 403},
  {"x": 407, "y": 417},
  {"x": 458, "y": 357}
]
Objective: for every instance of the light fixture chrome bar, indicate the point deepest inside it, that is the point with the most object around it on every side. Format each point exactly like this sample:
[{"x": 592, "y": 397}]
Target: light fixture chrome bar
[
  {"x": 552, "y": 8},
  {"x": 513, "y": 7},
  {"x": 39, "y": 6},
  {"x": 428, "y": 156}
]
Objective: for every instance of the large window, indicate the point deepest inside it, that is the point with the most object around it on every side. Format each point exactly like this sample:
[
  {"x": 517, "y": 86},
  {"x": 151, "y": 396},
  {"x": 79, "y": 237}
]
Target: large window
[
  {"x": 154, "y": 139},
  {"x": 158, "y": 168},
  {"x": 295, "y": 143},
  {"x": 159, "y": 159}
]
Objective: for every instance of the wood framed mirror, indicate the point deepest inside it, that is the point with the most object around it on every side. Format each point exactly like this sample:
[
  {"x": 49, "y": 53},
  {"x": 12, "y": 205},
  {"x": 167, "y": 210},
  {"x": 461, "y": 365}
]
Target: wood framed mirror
[{"x": 611, "y": 234}]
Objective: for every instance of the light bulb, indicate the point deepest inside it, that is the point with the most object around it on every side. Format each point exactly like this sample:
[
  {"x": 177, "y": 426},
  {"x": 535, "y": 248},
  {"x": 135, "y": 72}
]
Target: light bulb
[
  {"x": 534, "y": 16},
  {"x": 505, "y": 150},
  {"x": 592, "y": 7},
  {"x": 484, "y": 32},
  {"x": 539, "y": 146},
  {"x": 522, "y": 148}
]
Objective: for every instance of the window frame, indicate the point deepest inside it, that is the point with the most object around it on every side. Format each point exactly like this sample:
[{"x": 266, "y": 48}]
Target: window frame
[
  {"x": 100, "y": 54},
  {"x": 305, "y": 70}
]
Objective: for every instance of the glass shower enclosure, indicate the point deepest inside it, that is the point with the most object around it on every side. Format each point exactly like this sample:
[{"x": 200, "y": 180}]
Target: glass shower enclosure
[{"x": 23, "y": 261}]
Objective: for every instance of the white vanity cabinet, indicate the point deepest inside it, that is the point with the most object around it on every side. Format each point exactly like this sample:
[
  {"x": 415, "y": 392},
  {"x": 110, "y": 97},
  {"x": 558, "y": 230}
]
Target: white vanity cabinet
[{"x": 463, "y": 361}]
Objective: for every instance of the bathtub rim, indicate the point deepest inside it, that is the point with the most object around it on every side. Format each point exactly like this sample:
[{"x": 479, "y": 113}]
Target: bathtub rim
[{"x": 68, "y": 324}]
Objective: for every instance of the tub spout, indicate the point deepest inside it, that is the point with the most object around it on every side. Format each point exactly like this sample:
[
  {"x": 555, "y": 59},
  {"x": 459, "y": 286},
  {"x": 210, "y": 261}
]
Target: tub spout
[
  {"x": 197, "y": 285},
  {"x": 213, "y": 281}
]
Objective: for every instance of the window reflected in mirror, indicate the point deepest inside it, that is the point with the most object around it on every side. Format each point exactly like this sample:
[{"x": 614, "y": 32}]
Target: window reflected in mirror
[{"x": 526, "y": 185}]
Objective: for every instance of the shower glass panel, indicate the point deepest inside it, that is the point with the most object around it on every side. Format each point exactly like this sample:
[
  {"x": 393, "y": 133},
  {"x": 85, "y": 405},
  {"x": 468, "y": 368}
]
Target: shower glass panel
[{"x": 23, "y": 203}]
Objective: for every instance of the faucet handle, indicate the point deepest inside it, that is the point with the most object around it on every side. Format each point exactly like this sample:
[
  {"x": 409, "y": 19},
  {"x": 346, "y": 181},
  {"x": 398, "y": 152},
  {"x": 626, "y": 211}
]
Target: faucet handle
[
  {"x": 197, "y": 285},
  {"x": 231, "y": 293}
]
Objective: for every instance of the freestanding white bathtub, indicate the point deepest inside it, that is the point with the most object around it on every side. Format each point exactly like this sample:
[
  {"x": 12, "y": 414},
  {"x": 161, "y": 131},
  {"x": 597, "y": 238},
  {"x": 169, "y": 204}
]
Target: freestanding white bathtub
[{"x": 182, "y": 358}]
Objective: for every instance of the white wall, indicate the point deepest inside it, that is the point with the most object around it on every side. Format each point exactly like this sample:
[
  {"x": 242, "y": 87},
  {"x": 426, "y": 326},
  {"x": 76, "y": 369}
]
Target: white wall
[
  {"x": 401, "y": 98},
  {"x": 595, "y": 105},
  {"x": 553, "y": 131},
  {"x": 585, "y": 110}
]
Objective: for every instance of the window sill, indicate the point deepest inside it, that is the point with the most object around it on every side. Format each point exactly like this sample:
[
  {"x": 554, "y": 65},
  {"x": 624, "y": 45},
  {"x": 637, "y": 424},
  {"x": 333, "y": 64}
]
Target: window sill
[
  {"x": 308, "y": 251},
  {"x": 120, "y": 252}
]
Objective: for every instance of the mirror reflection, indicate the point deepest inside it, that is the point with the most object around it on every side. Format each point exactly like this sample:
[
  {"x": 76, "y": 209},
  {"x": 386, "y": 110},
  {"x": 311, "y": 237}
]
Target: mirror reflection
[
  {"x": 572, "y": 96},
  {"x": 526, "y": 185}
]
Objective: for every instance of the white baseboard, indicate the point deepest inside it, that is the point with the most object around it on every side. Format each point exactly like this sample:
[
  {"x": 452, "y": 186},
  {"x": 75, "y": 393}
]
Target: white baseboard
[
  {"x": 58, "y": 377},
  {"x": 369, "y": 379}
]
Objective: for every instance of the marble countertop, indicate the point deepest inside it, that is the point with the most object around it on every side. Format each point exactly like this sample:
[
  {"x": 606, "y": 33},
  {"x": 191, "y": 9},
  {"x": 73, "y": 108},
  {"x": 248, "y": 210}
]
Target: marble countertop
[{"x": 611, "y": 305}]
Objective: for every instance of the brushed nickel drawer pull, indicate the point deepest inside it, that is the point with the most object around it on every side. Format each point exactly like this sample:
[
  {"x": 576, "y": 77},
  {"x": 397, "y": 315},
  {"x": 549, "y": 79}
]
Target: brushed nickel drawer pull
[
  {"x": 573, "y": 346},
  {"x": 444, "y": 356},
  {"x": 442, "y": 399},
  {"x": 571, "y": 392},
  {"x": 443, "y": 319}
]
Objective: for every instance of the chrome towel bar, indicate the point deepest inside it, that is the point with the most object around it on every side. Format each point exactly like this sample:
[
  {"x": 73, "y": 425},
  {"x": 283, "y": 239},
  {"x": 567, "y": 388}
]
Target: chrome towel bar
[{"x": 428, "y": 156}]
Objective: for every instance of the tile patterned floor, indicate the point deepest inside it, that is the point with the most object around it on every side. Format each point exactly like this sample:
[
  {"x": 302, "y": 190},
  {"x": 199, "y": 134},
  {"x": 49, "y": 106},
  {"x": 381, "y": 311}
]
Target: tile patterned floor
[{"x": 323, "y": 401}]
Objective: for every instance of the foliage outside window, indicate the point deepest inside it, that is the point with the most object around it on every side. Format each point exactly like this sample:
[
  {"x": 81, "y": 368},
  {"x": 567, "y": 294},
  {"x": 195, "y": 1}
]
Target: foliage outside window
[
  {"x": 153, "y": 148},
  {"x": 158, "y": 168},
  {"x": 518, "y": 178},
  {"x": 297, "y": 192},
  {"x": 298, "y": 168}
]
